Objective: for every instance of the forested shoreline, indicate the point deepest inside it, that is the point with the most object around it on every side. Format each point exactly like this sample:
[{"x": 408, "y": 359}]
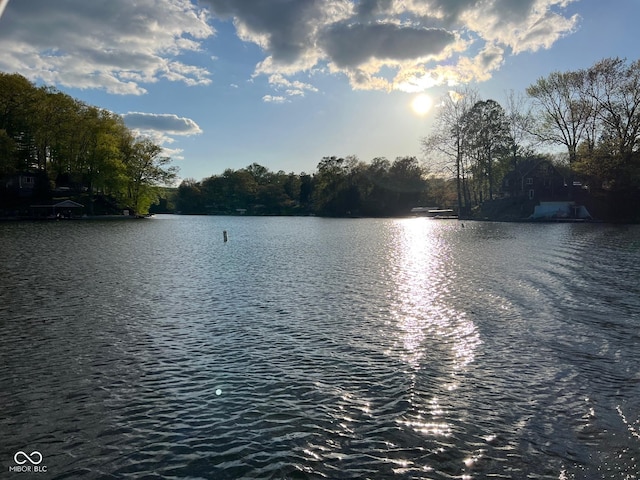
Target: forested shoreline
[
  {"x": 63, "y": 147},
  {"x": 339, "y": 187},
  {"x": 481, "y": 158}
]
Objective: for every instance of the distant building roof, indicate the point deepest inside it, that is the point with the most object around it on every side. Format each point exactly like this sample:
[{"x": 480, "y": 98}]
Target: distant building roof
[
  {"x": 68, "y": 204},
  {"x": 63, "y": 204}
]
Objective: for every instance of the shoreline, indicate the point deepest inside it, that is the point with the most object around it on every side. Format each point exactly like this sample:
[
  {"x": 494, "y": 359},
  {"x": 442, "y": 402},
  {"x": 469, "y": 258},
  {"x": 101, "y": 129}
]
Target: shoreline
[
  {"x": 9, "y": 219},
  {"x": 82, "y": 218}
]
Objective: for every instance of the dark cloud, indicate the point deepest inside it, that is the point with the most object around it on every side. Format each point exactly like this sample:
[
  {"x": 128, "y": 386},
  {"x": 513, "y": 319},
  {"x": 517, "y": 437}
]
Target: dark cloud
[
  {"x": 361, "y": 38},
  {"x": 509, "y": 10},
  {"x": 352, "y": 45},
  {"x": 287, "y": 25},
  {"x": 367, "y": 9}
]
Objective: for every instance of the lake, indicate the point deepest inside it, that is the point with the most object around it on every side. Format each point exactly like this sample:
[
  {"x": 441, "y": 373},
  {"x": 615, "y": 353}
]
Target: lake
[{"x": 319, "y": 348}]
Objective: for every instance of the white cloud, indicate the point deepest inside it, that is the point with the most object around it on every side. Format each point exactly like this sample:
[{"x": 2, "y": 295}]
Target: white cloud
[
  {"x": 174, "y": 153},
  {"x": 123, "y": 46},
  {"x": 117, "y": 45},
  {"x": 521, "y": 26},
  {"x": 3, "y": 5},
  {"x": 273, "y": 99},
  {"x": 161, "y": 122},
  {"x": 349, "y": 45},
  {"x": 161, "y": 128},
  {"x": 291, "y": 88}
]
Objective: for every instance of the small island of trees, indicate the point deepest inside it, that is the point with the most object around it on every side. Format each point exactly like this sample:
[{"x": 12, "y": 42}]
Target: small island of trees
[{"x": 482, "y": 159}]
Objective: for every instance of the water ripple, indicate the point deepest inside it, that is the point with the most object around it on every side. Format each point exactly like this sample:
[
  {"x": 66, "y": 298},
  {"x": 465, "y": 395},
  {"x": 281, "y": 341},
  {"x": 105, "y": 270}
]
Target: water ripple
[{"x": 314, "y": 348}]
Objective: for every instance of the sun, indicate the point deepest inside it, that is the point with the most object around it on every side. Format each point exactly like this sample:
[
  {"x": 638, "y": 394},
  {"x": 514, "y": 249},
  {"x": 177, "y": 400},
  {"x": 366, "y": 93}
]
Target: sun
[{"x": 421, "y": 104}]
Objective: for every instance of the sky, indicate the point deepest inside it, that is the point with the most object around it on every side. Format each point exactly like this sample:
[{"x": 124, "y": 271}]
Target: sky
[{"x": 226, "y": 83}]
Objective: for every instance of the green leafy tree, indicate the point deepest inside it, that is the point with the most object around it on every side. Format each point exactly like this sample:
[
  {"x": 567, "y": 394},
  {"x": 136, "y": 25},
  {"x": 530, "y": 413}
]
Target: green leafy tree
[
  {"x": 65, "y": 142},
  {"x": 292, "y": 187},
  {"x": 306, "y": 191},
  {"x": 335, "y": 189},
  {"x": 241, "y": 188},
  {"x": 17, "y": 100},
  {"x": 7, "y": 152},
  {"x": 487, "y": 136},
  {"x": 330, "y": 183},
  {"x": 406, "y": 183},
  {"x": 377, "y": 198},
  {"x": 189, "y": 197},
  {"x": 146, "y": 169}
]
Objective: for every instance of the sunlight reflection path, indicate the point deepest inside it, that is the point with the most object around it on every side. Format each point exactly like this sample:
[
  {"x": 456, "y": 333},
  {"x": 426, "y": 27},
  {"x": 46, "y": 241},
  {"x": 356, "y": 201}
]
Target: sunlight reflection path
[
  {"x": 436, "y": 340},
  {"x": 425, "y": 283}
]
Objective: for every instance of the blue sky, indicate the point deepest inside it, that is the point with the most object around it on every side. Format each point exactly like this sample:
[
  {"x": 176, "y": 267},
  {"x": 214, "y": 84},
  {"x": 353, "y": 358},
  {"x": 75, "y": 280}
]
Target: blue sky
[{"x": 225, "y": 83}]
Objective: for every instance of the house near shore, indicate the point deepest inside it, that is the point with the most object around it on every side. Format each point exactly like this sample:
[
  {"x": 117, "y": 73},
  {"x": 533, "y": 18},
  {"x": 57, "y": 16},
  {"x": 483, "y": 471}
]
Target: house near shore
[
  {"x": 560, "y": 211},
  {"x": 545, "y": 190},
  {"x": 536, "y": 180},
  {"x": 20, "y": 185},
  {"x": 64, "y": 209}
]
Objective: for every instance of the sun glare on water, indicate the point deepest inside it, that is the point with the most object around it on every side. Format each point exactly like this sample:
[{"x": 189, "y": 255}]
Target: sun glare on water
[{"x": 421, "y": 104}]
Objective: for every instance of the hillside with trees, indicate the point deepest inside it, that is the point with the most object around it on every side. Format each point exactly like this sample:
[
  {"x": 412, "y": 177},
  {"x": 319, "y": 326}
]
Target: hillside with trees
[{"x": 73, "y": 150}]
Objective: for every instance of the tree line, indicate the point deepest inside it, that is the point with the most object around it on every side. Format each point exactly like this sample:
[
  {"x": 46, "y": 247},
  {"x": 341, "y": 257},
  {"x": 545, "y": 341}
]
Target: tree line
[
  {"x": 339, "y": 187},
  {"x": 75, "y": 147},
  {"x": 474, "y": 145},
  {"x": 593, "y": 114}
]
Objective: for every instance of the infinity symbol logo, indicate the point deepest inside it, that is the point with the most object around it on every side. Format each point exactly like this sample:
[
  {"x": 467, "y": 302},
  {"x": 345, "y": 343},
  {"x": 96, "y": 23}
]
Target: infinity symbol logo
[{"x": 35, "y": 458}]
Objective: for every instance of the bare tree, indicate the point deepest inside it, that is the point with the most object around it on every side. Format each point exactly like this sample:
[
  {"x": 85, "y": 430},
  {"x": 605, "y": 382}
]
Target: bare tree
[
  {"x": 520, "y": 119},
  {"x": 614, "y": 88},
  {"x": 564, "y": 112},
  {"x": 447, "y": 138}
]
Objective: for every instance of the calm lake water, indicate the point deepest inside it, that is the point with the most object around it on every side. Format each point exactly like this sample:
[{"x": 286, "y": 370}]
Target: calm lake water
[{"x": 319, "y": 348}]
